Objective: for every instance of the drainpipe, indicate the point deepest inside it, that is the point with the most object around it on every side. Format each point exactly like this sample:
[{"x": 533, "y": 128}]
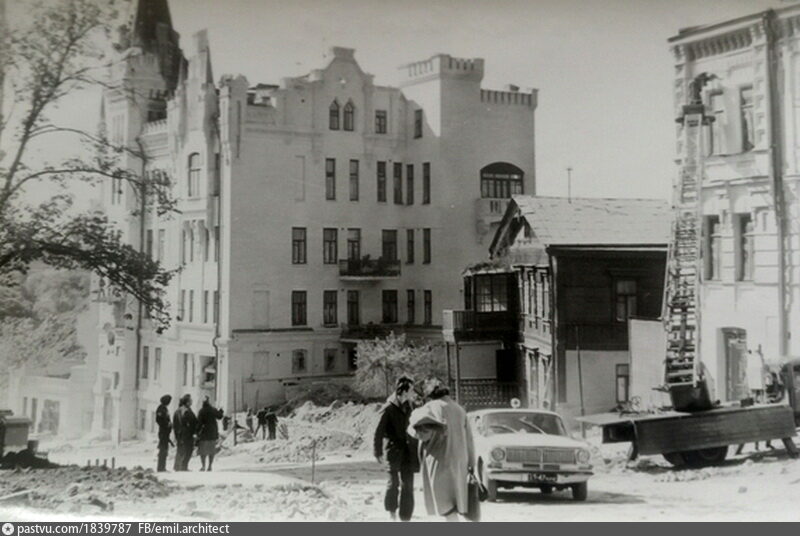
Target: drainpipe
[
  {"x": 769, "y": 21},
  {"x": 139, "y": 308}
]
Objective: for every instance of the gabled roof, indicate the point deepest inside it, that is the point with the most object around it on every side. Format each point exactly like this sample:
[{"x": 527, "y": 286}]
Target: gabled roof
[{"x": 582, "y": 221}]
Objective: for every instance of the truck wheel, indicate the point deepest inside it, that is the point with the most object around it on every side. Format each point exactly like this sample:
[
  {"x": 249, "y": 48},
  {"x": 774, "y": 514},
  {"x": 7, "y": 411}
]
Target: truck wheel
[
  {"x": 675, "y": 458},
  {"x": 580, "y": 491},
  {"x": 546, "y": 490},
  {"x": 705, "y": 457},
  {"x": 489, "y": 484}
]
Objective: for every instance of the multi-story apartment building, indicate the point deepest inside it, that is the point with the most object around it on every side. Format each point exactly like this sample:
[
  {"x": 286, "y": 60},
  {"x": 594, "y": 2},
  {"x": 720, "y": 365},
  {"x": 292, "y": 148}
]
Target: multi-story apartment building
[
  {"x": 311, "y": 213},
  {"x": 750, "y": 297}
]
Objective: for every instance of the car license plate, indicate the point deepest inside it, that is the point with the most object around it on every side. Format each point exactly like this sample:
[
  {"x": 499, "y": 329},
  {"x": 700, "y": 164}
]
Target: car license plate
[{"x": 541, "y": 477}]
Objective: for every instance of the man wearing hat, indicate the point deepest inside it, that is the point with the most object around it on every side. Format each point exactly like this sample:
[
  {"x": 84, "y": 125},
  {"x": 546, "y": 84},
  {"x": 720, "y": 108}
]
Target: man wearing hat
[{"x": 164, "y": 430}]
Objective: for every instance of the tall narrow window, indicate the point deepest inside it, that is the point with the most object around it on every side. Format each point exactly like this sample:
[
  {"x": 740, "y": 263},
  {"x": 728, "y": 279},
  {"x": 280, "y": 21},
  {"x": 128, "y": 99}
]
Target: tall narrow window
[
  {"x": 744, "y": 261},
  {"x": 206, "y": 305},
  {"x": 746, "y": 117},
  {"x": 216, "y": 306},
  {"x": 623, "y": 382},
  {"x": 216, "y": 243},
  {"x": 184, "y": 246},
  {"x": 380, "y": 122},
  {"x": 330, "y": 179},
  {"x": 713, "y": 247},
  {"x": 162, "y": 244},
  {"x": 353, "y": 180},
  {"x": 417, "y": 123},
  {"x": 193, "y": 180},
  {"x": 353, "y": 244},
  {"x": 191, "y": 306},
  {"x": 381, "y": 182},
  {"x": 330, "y": 359},
  {"x": 501, "y": 180},
  {"x": 389, "y": 306},
  {"x": 625, "y": 299},
  {"x": 329, "y": 307},
  {"x": 716, "y": 110},
  {"x": 426, "y": 183},
  {"x": 298, "y": 307},
  {"x": 410, "y": 246},
  {"x": 157, "y": 365},
  {"x": 299, "y": 361},
  {"x": 148, "y": 243},
  {"x": 410, "y": 184},
  {"x": 426, "y": 246},
  {"x": 389, "y": 245},
  {"x": 333, "y": 116},
  {"x": 349, "y": 116},
  {"x": 398, "y": 183},
  {"x": 330, "y": 254},
  {"x": 428, "y": 308},
  {"x": 206, "y": 243},
  {"x": 145, "y": 365},
  {"x": 298, "y": 245},
  {"x": 353, "y": 308},
  {"x": 182, "y": 307},
  {"x": 190, "y": 240},
  {"x": 411, "y": 306}
]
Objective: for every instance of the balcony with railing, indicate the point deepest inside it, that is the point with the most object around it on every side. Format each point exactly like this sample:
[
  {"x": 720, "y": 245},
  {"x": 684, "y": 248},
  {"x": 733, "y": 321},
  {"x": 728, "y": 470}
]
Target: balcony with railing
[
  {"x": 367, "y": 269},
  {"x": 358, "y": 332},
  {"x": 477, "y": 325}
]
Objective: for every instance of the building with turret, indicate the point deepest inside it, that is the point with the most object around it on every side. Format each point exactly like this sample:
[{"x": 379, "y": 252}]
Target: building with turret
[{"x": 311, "y": 214}]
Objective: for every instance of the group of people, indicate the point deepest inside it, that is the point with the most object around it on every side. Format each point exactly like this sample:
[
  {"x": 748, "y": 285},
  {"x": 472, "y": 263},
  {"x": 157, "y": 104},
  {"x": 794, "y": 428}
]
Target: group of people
[
  {"x": 267, "y": 420},
  {"x": 433, "y": 438},
  {"x": 190, "y": 431}
]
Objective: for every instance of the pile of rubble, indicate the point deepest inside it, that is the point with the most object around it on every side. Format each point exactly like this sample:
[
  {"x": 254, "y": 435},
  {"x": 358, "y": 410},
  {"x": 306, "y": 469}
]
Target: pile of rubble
[{"x": 80, "y": 489}]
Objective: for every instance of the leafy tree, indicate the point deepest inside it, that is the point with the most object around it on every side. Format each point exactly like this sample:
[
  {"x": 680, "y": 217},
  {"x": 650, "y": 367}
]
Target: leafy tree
[
  {"x": 381, "y": 361},
  {"x": 59, "y": 53}
]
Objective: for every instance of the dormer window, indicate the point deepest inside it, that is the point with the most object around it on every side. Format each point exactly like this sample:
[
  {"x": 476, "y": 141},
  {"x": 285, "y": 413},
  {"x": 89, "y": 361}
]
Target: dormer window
[
  {"x": 333, "y": 117},
  {"x": 193, "y": 182},
  {"x": 349, "y": 116}
]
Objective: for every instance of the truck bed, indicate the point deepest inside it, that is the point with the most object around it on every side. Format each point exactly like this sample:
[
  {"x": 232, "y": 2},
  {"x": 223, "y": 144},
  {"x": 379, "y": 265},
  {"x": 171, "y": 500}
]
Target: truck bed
[{"x": 673, "y": 431}]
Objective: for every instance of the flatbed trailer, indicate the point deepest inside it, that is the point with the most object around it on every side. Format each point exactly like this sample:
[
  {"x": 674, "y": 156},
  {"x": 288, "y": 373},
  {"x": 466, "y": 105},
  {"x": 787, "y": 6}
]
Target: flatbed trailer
[{"x": 697, "y": 438}]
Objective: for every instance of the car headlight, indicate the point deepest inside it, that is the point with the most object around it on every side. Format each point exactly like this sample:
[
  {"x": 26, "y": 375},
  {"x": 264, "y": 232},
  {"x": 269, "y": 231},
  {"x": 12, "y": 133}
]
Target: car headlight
[
  {"x": 583, "y": 456},
  {"x": 498, "y": 454}
]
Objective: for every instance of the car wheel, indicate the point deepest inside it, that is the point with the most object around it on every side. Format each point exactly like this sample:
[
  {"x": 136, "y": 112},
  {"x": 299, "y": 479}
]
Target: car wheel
[
  {"x": 488, "y": 483},
  {"x": 675, "y": 458},
  {"x": 546, "y": 490},
  {"x": 705, "y": 457},
  {"x": 580, "y": 491}
]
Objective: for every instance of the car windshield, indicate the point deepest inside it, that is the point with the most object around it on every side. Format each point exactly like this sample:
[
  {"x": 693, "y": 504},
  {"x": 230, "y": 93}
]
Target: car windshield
[{"x": 520, "y": 422}]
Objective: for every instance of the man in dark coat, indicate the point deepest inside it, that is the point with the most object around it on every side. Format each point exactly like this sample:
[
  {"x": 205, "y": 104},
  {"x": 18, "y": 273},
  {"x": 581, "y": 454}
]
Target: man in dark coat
[
  {"x": 208, "y": 433},
  {"x": 164, "y": 430},
  {"x": 261, "y": 417},
  {"x": 272, "y": 422},
  {"x": 184, "y": 424},
  {"x": 401, "y": 456}
]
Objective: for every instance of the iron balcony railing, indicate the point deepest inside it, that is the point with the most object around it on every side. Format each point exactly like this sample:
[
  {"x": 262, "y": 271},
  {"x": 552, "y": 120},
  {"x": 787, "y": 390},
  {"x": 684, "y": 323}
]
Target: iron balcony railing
[{"x": 369, "y": 268}]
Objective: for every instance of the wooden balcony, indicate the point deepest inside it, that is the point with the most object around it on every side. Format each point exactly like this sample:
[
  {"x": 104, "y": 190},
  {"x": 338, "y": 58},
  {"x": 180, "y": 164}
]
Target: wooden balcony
[
  {"x": 474, "y": 325},
  {"x": 366, "y": 269}
]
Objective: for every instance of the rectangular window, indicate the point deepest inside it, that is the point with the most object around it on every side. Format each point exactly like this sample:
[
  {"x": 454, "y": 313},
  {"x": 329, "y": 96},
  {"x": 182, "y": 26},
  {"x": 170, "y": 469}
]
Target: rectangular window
[
  {"x": 298, "y": 245},
  {"x": 381, "y": 122},
  {"x": 217, "y": 174},
  {"x": 491, "y": 293},
  {"x": 298, "y": 307},
  {"x": 193, "y": 370},
  {"x": 624, "y": 299},
  {"x": 206, "y": 243},
  {"x": 353, "y": 180},
  {"x": 745, "y": 247},
  {"x": 389, "y": 245},
  {"x": 185, "y": 368},
  {"x": 623, "y": 382},
  {"x": 333, "y": 116},
  {"x": 716, "y": 110},
  {"x": 191, "y": 306},
  {"x": 145, "y": 362},
  {"x": 190, "y": 240},
  {"x": 193, "y": 186},
  {"x": 157, "y": 365},
  {"x": 299, "y": 364},
  {"x": 428, "y": 304},
  {"x": 329, "y": 308},
  {"x": 381, "y": 182},
  {"x": 330, "y": 252},
  {"x": 410, "y": 184},
  {"x": 216, "y": 306},
  {"x": 390, "y": 307},
  {"x": 713, "y": 247},
  {"x": 142, "y": 419},
  {"x": 353, "y": 244},
  {"x": 184, "y": 246},
  {"x": 398, "y": 183},
  {"x": 746, "y": 118},
  {"x": 330, "y": 179},
  {"x": 330, "y": 359},
  {"x": 426, "y": 246},
  {"x": 411, "y": 306},
  {"x": 426, "y": 183},
  {"x": 162, "y": 244},
  {"x": 182, "y": 307},
  {"x": 410, "y": 246},
  {"x": 205, "y": 307},
  {"x": 353, "y": 308},
  {"x": 417, "y": 123},
  {"x": 148, "y": 248},
  {"x": 216, "y": 242}
]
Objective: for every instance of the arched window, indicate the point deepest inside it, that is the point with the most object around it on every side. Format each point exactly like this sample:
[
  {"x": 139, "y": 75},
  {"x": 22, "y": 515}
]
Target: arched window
[
  {"x": 349, "y": 116},
  {"x": 193, "y": 182},
  {"x": 333, "y": 118},
  {"x": 501, "y": 180}
]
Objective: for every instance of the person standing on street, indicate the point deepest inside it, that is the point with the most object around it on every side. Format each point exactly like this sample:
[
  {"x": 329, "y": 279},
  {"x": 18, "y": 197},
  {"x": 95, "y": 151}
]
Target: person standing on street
[
  {"x": 184, "y": 424},
  {"x": 164, "y": 431},
  {"x": 261, "y": 417},
  {"x": 207, "y": 433},
  {"x": 248, "y": 420},
  {"x": 272, "y": 423},
  {"x": 400, "y": 454},
  {"x": 447, "y": 452}
]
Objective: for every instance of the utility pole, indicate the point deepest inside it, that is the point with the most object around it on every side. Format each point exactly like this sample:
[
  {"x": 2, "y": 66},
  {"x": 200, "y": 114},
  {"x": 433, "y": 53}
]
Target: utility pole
[{"x": 569, "y": 184}]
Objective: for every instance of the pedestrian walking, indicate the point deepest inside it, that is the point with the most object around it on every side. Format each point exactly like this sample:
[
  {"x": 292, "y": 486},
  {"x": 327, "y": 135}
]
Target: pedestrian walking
[
  {"x": 261, "y": 417},
  {"x": 248, "y": 420},
  {"x": 207, "y": 433},
  {"x": 272, "y": 422},
  {"x": 164, "y": 431},
  {"x": 391, "y": 438},
  {"x": 447, "y": 453},
  {"x": 184, "y": 425}
]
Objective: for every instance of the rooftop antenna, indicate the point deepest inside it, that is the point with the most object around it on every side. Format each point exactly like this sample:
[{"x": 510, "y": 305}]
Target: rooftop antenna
[{"x": 569, "y": 184}]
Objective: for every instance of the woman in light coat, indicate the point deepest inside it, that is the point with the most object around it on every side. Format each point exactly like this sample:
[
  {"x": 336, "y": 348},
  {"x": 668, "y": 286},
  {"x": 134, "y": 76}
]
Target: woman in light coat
[{"x": 447, "y": 452}]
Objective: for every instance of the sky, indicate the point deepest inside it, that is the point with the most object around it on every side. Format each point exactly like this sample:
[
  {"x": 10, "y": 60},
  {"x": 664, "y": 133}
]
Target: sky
[{"x": 603, "y": 68}]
